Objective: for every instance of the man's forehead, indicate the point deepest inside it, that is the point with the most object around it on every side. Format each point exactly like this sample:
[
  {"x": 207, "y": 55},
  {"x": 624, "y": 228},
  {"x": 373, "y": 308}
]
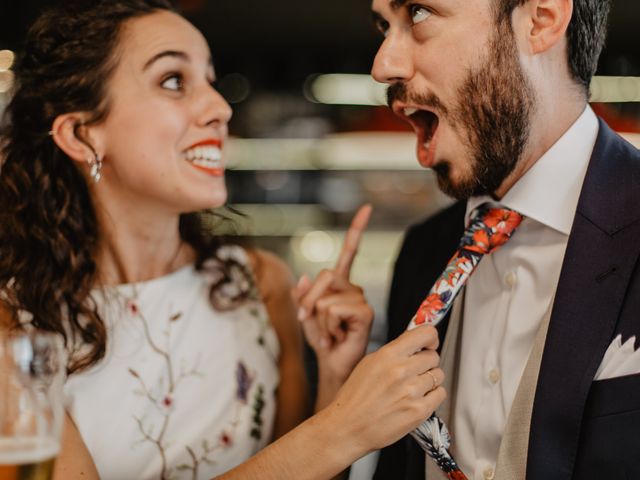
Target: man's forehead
[{"x": 392, "y": 4}]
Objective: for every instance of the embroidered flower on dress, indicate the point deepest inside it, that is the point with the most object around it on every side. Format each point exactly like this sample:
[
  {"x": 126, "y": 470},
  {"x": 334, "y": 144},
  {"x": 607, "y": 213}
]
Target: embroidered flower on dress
[
  {"x": 244, "y": 381},
  {"x": 132, "y": 307},
  {"x": 226, "y": 440}
]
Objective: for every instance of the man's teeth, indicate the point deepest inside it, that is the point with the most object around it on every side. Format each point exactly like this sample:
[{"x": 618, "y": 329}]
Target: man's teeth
[
  {"x": 410, "y": 111},
  {"x": 207, "y": 156}
]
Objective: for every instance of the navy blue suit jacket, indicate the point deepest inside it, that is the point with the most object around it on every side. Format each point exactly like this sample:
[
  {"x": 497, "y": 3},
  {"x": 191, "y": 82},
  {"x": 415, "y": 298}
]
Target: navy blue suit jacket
[{"x": 580, "y": 429}]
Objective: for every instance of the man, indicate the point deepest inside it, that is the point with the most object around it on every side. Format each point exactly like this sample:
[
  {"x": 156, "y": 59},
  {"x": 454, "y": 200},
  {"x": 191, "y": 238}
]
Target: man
[{"x": 496, "y": 91}]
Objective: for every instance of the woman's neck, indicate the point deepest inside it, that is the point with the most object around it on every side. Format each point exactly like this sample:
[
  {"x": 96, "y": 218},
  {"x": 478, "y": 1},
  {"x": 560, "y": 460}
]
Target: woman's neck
[{"x": 140, "y": 249}]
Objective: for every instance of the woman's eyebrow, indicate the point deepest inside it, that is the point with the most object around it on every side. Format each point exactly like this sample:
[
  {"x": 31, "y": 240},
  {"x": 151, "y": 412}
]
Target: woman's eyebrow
[
  {"x": 173, "y": 54},
  {"x": 167, "y": 53}
]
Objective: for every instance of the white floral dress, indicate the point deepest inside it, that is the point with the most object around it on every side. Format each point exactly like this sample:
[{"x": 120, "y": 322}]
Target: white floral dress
[{"x": 185, "y": 391}]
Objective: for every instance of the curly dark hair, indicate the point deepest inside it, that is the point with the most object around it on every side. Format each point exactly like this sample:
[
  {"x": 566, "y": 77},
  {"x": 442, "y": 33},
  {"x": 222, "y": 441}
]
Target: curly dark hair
[
  {"x": 586, "y": 35},
  {"x": 49, "y": 231}
]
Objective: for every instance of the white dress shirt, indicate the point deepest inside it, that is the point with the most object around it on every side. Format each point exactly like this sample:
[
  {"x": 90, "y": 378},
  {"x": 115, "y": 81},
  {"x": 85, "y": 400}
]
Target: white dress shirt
[{"x": 510, "y": 292}]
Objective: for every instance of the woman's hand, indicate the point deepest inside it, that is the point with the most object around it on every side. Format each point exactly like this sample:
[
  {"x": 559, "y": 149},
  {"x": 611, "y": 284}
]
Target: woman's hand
[
  {"x": 335, "y": 315},
  {"x": 392, "y": 390},
  {"x": 389, "y": 394}
]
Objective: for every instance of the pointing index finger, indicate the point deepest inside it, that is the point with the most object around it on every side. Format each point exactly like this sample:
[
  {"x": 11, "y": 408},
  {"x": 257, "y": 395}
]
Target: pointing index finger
[{"x": 352, "y": 241}]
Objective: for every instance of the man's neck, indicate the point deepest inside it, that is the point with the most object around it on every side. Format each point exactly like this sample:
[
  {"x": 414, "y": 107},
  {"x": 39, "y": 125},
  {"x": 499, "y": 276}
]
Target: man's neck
[{"x": 549, "y": 123}]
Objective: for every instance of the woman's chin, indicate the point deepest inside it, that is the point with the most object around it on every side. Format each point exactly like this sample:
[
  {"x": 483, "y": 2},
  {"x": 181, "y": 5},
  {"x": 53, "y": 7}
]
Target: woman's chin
[{"x": 217, "y": 200}]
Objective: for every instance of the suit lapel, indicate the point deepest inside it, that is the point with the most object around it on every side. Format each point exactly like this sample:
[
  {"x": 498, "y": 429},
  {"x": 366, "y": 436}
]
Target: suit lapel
[{"x": 601, "y": 254}]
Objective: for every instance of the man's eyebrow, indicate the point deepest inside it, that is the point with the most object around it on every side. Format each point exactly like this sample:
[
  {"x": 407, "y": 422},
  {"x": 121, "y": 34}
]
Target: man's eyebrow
[
  {"x": 394, "y": 4},
  {"x": 397, "y": 4},
  {"x": 167, "y": 53}
]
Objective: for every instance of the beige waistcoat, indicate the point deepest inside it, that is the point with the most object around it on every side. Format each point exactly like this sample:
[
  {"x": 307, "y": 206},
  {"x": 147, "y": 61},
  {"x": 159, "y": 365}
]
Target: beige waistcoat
[{"x": 512, "y": 456}]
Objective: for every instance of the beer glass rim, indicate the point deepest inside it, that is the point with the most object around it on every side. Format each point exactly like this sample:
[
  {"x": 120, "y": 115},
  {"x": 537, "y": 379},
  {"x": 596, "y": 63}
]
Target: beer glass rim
[{"x": 28, "y": 340}]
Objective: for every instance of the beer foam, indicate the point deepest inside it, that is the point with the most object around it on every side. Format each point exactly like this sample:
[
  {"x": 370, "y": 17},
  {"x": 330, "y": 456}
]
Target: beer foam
[{"x": 22, "y": 450}]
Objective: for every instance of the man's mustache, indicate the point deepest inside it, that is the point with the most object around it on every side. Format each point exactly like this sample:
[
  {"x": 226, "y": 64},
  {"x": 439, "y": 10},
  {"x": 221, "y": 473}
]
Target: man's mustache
[{"x": 399, "y": 92}]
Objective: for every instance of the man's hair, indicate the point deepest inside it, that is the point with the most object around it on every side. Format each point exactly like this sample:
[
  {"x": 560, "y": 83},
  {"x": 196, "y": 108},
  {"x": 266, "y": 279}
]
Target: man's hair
[{"x": 585, "y": 36}]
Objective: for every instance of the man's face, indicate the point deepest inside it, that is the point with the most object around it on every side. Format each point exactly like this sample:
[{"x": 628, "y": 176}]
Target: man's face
[{"x": 455, "y": 76}]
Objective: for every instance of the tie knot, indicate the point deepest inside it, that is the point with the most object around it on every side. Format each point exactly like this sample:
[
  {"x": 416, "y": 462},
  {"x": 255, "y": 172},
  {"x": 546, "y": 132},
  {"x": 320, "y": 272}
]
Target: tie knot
[{"x": 490, "y": 228}]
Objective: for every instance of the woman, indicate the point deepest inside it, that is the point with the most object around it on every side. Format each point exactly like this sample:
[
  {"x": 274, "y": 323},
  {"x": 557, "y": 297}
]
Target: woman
[{"x": 185, "y": 354}]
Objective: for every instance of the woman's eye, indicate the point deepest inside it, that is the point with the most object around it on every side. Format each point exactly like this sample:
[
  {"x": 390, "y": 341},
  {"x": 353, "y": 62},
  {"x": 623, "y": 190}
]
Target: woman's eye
[
  {"x": 418, "y": 14},
  {"x": 174, "y": 82}
]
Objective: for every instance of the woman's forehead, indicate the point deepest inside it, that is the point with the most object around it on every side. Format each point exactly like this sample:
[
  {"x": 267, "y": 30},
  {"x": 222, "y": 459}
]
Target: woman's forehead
[{"x": 146, "y": 37}]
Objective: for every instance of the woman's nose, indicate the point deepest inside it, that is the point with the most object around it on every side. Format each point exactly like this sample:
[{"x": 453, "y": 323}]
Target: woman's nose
[{"x": 215, "y": 109}]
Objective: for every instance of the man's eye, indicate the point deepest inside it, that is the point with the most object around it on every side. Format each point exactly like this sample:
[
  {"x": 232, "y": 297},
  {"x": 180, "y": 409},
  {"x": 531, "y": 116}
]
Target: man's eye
[
  {"x": 418, "y": 14},
  {"x": 382, "y": 26},
  {"x": 173, "y": 82}
]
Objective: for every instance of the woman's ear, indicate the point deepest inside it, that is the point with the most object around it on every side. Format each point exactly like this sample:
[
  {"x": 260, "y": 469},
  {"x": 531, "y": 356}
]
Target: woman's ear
[{"x": 73, "y": 137}]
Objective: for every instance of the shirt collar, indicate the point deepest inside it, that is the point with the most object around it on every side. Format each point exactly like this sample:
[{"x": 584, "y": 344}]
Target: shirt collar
[{"x": 549, "y": 191}]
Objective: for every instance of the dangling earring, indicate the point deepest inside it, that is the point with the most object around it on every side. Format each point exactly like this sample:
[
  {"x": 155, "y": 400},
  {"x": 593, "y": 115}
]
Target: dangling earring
[{"x": 95, "y": 163}]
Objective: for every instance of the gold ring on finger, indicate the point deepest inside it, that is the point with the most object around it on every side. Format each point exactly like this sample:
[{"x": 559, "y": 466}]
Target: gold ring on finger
[{"x": 435, "y": 380}]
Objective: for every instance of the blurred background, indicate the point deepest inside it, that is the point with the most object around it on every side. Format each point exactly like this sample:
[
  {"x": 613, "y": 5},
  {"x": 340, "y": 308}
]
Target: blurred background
[{"x": 310, "y": 138}]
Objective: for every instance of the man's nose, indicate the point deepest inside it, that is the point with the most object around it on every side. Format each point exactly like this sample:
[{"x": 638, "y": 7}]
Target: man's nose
[{"x": 393, "y": 62}]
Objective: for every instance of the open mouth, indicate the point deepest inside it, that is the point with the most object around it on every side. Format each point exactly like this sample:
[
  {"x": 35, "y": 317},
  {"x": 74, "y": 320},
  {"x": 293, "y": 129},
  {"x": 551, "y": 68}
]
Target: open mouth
[
  {"x": 207, "y": 157},
  {"x": 425, "y": 124}
]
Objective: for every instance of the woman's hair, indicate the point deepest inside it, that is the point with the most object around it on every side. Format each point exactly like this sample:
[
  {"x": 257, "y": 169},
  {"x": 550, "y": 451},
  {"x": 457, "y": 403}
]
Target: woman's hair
[{"x": 49, "y": 232}]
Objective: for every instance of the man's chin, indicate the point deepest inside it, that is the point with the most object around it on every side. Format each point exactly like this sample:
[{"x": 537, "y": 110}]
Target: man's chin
[{"x": 460, "y": 189}]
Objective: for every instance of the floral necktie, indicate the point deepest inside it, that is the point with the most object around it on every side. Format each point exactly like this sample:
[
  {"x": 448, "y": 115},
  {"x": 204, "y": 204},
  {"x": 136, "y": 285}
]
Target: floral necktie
[{"x": 489, "y": 229}]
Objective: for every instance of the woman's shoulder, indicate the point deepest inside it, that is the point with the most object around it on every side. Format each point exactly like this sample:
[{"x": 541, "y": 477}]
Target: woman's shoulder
[{"x": 273, "y": 276}]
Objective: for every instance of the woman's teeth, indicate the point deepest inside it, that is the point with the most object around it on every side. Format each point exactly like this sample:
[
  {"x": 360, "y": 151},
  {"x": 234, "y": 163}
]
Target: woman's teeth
[
  {"x": 207, "y": 156},
  {"x": 410, "y": 111}
]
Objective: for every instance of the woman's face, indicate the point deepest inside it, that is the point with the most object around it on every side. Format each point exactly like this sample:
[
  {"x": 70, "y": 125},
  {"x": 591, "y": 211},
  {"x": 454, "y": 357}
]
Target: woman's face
[{"x": 163, "y": 136}]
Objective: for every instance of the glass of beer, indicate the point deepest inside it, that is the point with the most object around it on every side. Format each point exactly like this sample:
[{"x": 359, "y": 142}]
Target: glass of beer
[{"x": 32, "y": 373}]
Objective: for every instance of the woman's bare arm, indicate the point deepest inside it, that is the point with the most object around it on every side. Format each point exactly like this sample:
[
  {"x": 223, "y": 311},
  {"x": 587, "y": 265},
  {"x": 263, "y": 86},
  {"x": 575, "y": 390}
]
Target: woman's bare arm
[
  {"x": 74, "y": 460},
  {"x": 275, "y": 283}
]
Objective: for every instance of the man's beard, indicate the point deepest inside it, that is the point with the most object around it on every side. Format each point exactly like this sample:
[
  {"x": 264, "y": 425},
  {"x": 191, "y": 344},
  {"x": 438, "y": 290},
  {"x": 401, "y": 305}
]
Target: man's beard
[{"x": 494, "y": 110}]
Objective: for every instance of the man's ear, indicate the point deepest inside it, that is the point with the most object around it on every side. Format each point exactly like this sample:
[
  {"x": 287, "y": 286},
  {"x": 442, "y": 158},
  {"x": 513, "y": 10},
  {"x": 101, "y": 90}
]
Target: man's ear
[
  {"x": 547, "y": 22},
  {"x": 73, "y": 137}
]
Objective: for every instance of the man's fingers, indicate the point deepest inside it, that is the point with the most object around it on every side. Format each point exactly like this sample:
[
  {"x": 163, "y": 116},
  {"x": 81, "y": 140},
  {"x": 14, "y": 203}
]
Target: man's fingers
[{"x": 352, "y": 241}]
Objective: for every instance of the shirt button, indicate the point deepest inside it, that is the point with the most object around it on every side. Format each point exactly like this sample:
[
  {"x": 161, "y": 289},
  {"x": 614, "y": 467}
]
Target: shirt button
[
  {"x": 510, "y": 279},
  {"x": 488, "y": 473},
  {"x": 494, "y": 376}
]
